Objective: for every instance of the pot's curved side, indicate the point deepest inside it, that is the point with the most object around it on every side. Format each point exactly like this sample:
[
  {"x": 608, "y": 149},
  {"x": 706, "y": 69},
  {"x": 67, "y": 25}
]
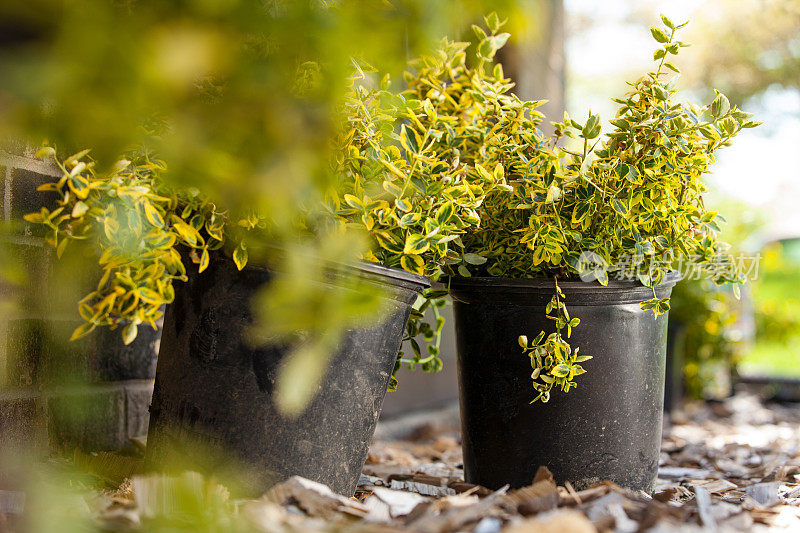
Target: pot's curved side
[
  {"x": 213, "y": 408},
  {"x": 608, "y": 428}
]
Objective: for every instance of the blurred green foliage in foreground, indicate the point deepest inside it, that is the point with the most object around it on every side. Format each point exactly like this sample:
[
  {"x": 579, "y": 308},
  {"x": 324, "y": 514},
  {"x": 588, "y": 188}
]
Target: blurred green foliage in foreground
[{"x": 239, "y": 98}]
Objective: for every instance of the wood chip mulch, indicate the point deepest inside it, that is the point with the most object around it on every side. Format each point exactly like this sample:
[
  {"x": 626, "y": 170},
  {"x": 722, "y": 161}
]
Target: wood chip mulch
[{"x": 725, "y": 466}]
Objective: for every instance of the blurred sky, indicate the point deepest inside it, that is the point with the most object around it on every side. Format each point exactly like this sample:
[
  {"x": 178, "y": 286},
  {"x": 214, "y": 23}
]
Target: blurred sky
[{"x": 609, "y": 43}]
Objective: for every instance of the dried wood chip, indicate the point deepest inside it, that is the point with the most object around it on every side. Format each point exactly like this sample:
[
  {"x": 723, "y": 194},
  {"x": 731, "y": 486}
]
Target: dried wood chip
[
  {"x": 559, "y": 521},
  {"x": 587, "y": 495},
  {"x": 453, "y": 519},
  {"x": 314, "y": 498},
  {"x": 605, "y": 507},
  {"x": 445, "y": 443},
  {"x": 717, "y": 486},
  {"x": 446, "y": 471},
  {"x": 732, "y": 469},
  {"x": 370, "y": 481},
  {"x": 682, "y": 472},
  {"x": 765, "y": 494},
  {"x": 738, "y": 522},
  {"x": 460, "y": 486},
  {"x": 536, "y": 498},
  {"x": 422, "y": 488},
  {"x": 543, "y": 474},
  {"x": 703, "y": 501},
  {"x": 666, "y": 494},
  {"x": 398, "y": 503},
  {"x": 622, "y": 524}
]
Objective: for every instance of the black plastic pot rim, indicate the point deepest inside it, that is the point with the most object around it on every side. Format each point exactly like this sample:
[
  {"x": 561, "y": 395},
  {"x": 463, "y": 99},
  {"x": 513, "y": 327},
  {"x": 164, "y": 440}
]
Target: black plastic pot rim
[
  {"x": 534, "y": 291},
  {"x": 373, "y": 272}
]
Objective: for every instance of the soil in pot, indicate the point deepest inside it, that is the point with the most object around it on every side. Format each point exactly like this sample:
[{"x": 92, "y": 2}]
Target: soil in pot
[
  {"x": 608, "y": 428},
  {"x": 213, "y": 408}
]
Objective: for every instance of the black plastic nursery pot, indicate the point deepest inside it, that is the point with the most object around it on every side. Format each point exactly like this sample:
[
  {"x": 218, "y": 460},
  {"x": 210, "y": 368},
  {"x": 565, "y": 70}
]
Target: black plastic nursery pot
[
  {"x": 213, "y": 407},
  {"x": 608, "y": 428}
]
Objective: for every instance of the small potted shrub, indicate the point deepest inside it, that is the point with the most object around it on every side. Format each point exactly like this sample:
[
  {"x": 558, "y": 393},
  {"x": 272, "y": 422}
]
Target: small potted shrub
[
  {"x": 574, "y": 269},
  {"x": 215, "y": 407},
  {"x": 218, "y": 404}
]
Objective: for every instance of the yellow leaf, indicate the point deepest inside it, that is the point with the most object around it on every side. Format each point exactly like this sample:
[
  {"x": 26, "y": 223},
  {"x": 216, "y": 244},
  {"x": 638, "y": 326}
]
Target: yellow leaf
[
  {"x": 82, "y": 331},
  {"x": 77, "y": 169},
  {"x": 415, "y": 244},
  {"x": 153, "y": 216},
  {"x": 204, "y": 260},
  {"x": 240, "y": 256},
  {"x": 47, "y": 151},
  {"x": 412, "y": 263},
  {"x": 47, "y": 187},
  {"x": 61, "y": 247},
  {"x": 352, "y": 201},
  {"x": 189, "y": 234},
  {"x": 129, "y": 333},
  {"x": 149, "y": 295},
  {"x": 79, "y": 209}
]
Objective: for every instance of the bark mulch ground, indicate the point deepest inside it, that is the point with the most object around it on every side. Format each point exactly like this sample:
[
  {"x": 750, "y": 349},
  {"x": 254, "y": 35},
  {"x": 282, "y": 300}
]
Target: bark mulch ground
[{"x": 725, "y": 466}]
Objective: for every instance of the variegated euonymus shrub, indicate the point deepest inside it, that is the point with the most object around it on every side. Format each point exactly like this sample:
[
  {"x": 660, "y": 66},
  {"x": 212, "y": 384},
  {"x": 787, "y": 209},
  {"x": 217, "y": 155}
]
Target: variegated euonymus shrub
[
  {"x": 632, "y": 198},
  {"x": 137, "y": 224},
  {"x": 417, "y": 167}
]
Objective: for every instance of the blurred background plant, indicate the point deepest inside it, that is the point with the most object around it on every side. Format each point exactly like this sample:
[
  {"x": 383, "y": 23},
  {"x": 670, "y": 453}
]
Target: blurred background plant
[
  {"x": 750, "y": 51},
  {"x": 713, "y": 329},
  {"x": 776, "y": 306}
]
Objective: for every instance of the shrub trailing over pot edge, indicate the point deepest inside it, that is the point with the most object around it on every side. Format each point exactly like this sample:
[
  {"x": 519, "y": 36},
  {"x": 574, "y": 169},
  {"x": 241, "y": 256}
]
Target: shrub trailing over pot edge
[{"x": 630, "y": 202}]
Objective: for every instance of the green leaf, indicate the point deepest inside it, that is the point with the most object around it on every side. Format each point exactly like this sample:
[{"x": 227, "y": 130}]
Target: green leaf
[
  {"x": 403, "y": 204},
  {"x": 492, "y": 22},
  {"x": 667, "y": 22},
  {"x": 720, "y": 106},
  {"x": 631, "y": 175},
  {"x": 592, "y": 127},
  {"x": 474, "y": 259},
  {"x": 618, "y": 206},
  {"x": 409, "y": 219},
  {"x": 408, "y": 140},
  {"x": 659, "y": 35},
  {"x": 445, "y": 212}
]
